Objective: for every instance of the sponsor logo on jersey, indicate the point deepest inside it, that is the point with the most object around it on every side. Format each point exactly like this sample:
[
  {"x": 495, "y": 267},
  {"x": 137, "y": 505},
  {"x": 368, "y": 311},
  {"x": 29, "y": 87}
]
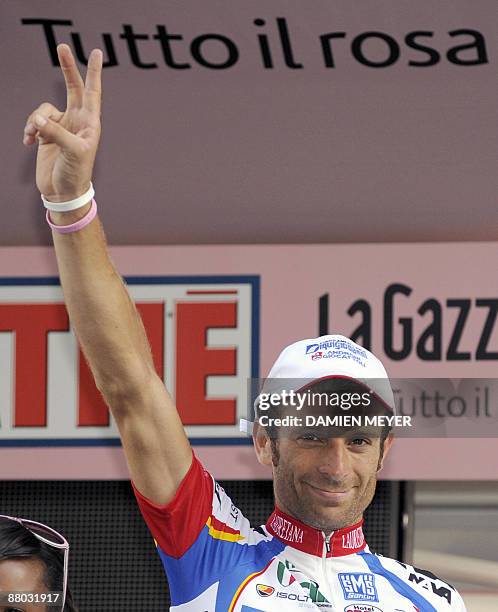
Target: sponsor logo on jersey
[
  {"x": 293, "y": 596},
  {"x": 286, "y": 576},
  {"x": 358, "y": 586},
  {"x": 314, "y": 593},
  {"x": 353, "y": 539},
  {"x": 357, "y": 607},
  {"x": 286, "y": 530},
  {"x": 264, "y": 590},
  {"x": 429, "y": 581}
]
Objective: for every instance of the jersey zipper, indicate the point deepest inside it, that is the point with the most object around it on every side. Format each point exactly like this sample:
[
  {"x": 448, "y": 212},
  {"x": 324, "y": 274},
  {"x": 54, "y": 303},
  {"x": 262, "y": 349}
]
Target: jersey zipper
[{"x": 326, "y": 549}]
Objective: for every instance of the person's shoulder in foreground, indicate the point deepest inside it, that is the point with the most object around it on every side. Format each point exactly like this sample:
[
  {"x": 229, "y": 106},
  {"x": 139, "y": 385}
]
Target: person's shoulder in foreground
[{"x": 312, "y": 551}]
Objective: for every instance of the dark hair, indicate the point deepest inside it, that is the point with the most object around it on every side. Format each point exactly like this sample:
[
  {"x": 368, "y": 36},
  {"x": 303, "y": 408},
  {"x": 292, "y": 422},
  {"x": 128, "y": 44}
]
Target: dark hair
[{"x": 17, "y": 542}]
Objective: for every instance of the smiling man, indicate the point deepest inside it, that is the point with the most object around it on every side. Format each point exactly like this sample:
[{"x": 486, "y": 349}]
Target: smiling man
[{"x": 311, "y": 553}]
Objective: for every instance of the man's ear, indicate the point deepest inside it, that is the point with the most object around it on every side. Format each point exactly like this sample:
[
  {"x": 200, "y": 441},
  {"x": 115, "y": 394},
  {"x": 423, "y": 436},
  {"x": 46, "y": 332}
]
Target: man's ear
[
  {"x": 387, "y": 447},
  {"x": 262, "y": 444}
]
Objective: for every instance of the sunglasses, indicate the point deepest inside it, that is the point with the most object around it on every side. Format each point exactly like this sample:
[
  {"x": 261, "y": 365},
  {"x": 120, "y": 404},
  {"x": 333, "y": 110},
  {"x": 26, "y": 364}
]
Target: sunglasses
[{"x": 50, "y": 537}]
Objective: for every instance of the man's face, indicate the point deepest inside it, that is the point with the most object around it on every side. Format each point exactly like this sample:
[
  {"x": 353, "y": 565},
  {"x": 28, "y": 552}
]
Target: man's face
[
  {"x": 325, "y": 482},
  {"x": 22, "y": 575}
]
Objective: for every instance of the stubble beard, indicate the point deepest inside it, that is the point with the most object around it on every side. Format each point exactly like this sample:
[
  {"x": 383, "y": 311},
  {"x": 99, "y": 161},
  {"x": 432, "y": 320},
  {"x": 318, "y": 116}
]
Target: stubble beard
[{"x": 301, "y": 507}]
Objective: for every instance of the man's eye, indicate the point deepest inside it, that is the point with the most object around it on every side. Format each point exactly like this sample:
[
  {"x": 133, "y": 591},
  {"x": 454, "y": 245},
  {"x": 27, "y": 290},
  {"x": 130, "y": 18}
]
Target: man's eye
[
  {"x": 309, "y": 438},
  {"x": 360, "y": 441}
]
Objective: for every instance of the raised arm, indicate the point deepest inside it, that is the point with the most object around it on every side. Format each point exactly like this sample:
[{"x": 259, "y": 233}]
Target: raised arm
[{"x": 102, "y": 313}]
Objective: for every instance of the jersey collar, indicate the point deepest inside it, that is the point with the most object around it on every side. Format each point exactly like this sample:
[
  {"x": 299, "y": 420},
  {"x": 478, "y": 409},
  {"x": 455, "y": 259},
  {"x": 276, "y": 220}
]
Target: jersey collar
[{"x": 346, "y": 541}]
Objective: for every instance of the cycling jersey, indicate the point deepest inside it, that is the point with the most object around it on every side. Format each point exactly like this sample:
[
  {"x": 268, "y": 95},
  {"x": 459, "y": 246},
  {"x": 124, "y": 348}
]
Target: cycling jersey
[{"x": 215, "y": 561}]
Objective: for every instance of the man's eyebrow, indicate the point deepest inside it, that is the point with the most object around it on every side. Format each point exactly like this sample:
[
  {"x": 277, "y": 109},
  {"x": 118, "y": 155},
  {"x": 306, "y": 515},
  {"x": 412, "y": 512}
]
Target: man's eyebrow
[
  {"x": 367, "y": 431},
  {"x": 336, "y": 432},
  {"x": 308, "y": 430}
]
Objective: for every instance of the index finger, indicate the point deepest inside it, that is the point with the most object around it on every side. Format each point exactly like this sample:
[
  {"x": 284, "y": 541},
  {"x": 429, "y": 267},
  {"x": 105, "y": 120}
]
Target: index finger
[
  {"x": 93, "y": 82},
  {"x": 74, "y": 82}
]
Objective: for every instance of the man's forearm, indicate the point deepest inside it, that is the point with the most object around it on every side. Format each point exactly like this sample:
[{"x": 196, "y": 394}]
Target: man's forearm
[{"x": 102, "y": 313}]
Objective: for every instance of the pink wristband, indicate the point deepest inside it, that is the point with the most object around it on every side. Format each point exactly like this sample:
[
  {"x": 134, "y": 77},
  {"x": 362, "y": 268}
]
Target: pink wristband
[{"x": 74, "y": 227}]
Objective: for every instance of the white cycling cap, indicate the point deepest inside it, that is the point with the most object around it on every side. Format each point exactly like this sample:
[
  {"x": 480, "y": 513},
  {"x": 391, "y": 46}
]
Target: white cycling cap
[{"x": 309, "y": 361}]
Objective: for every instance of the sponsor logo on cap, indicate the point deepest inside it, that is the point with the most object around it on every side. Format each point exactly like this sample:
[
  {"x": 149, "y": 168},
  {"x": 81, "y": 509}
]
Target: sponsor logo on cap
[
  {"x": 264, "y": 590},
  {"x": 311, "y": 348},
  {"x": 358, "y": 587}
]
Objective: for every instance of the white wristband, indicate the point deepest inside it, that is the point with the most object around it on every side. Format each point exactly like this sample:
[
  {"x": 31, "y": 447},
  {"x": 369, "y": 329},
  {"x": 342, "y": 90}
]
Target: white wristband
[{"x": 71, "y": 204}]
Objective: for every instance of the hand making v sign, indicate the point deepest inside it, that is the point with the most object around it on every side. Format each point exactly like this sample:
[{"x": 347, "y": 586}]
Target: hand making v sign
[{"x": 68, "y": 140}]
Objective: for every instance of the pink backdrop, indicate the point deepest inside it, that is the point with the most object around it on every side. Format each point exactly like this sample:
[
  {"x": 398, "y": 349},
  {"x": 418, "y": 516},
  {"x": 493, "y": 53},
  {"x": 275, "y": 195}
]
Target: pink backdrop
[
  {"x": 292, "y": 279},
  {"x": 402, "y": 150}
]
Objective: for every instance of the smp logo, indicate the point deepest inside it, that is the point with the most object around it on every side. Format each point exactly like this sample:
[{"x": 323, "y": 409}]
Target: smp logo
[
  {"x": 317, "y": 356},
  {"x": 358, "y": 586}
]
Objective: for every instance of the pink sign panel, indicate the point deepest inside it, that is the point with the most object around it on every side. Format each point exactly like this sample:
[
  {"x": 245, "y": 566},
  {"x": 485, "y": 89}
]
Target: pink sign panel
[{"x": 426, "y": 310}]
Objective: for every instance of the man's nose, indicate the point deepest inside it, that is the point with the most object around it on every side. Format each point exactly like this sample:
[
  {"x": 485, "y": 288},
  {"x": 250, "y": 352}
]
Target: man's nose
[{"x": 334, "y": 460}]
